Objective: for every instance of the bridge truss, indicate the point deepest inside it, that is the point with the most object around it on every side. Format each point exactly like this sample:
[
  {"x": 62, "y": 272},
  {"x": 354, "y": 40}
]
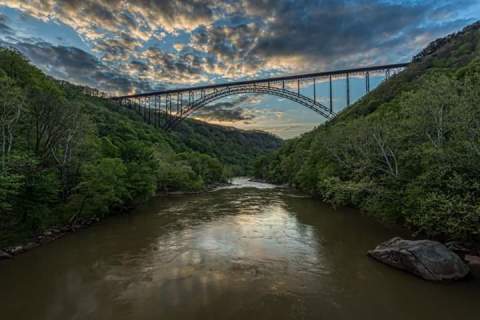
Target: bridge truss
[{"x": 168, "y": 108}]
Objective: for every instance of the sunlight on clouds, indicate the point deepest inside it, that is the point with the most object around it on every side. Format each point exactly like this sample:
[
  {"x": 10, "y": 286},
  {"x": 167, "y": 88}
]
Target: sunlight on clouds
[
  {"x": 134, "y": 46},
  {"x": 265, "y": 38}
]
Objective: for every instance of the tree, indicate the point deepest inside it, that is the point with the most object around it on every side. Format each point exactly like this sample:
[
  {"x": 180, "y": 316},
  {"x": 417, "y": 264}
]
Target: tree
[
  {"x": 49, "y": 115},
  {"x": 102, "y": 186},
  {"x": 76, "y": 127},
  {"x": 11, "y": 104}
]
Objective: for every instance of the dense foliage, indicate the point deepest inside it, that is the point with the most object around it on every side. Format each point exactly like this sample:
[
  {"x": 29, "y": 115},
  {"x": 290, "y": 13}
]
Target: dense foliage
[
  {"x": 67, "y": 157},
  {"x": 408, "y": 152},
  {"x": 237, "y": 148}
]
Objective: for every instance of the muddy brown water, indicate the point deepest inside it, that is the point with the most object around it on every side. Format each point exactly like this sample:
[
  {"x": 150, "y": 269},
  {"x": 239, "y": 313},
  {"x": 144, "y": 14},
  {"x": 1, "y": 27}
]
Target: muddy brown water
[{"x": 245, "y": 252}]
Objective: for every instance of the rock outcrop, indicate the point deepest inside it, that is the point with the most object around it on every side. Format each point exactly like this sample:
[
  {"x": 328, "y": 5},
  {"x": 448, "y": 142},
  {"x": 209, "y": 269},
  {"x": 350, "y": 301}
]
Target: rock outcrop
[{"x": 427, "y": 259}]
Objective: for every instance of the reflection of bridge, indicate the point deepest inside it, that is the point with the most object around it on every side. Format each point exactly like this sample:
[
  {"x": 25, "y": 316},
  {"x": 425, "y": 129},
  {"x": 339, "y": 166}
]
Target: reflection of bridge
[{"x": 168, "y": 108}]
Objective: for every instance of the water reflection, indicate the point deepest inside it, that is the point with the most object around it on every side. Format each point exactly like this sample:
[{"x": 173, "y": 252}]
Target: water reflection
[
  {"x": 251, "y": 240},
  {"x": 232, "y": 254}
]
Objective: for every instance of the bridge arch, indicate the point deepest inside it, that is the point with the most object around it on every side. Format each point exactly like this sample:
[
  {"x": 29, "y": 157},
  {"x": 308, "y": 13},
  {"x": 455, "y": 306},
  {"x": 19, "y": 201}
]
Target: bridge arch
[
  {"x": 301, "y": 99},
  {"x": 170, "y": 107}
]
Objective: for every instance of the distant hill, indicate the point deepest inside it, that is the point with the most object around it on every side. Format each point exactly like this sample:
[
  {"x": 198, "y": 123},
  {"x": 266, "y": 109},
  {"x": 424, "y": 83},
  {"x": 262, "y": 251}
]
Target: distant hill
[
  {"x": 408, "y": 151},
  {"x": 236, "y": 148}
]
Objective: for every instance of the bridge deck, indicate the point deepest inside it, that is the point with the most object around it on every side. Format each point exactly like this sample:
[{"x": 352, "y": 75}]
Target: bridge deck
[{"x": 270, "y": 80}]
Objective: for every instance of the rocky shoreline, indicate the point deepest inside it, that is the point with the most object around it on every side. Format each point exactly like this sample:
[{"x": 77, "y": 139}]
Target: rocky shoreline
[{"x": 45, "y": 237}]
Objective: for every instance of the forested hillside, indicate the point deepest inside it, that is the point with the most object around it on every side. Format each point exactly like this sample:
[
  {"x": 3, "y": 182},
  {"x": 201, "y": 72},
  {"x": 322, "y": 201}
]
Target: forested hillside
[
  {"x": 408, "y": 152},
  {"x": 236, "y": 148},
  {"x": 67, "y": 157}
]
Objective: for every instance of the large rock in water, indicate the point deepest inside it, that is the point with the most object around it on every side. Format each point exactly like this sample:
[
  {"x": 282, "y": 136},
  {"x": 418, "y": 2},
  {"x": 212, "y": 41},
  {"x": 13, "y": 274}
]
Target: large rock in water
[{"x": 428, "y": 259}]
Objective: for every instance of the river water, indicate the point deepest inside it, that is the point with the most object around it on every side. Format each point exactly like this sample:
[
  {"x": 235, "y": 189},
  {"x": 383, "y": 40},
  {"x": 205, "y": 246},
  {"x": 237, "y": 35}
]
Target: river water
[{"x": 248, "y": 251}]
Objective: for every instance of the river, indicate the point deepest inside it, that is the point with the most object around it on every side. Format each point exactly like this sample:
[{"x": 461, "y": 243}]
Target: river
[{"x": 248, "y": 251}]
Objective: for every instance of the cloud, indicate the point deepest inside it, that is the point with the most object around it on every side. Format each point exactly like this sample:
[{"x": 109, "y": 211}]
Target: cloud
[
  {"x": 181, "y": 42},
  {"x": 227, "y": 111},
  {"x": 230, "y": 49},
  {"x": 226, "y": 115},
  {"x": 172, "y": 15},
  {"x": 79, "y": 67},
  {"x": 303, "y": 36},
  {"x": 140, "y": 18},
  {"x": 117, "y": 48},
  {"x": 4, "y": 28},
  {"x": 145, "y": 45},
  {"x": 183, "y": 67}
]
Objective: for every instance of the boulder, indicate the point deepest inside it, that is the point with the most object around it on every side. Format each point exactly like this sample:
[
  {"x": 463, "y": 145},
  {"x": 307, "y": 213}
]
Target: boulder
[
  {"x": 459, "y": 248},
  {"x": 474, "y": 261},
  {"x": 4, "y": 255},
  {"x": 428, "y": 259}
]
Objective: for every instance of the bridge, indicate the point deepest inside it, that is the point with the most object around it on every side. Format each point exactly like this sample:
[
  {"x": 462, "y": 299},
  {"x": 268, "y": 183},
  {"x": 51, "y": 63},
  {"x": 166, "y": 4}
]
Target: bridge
[{"x": 166, "y": 109}]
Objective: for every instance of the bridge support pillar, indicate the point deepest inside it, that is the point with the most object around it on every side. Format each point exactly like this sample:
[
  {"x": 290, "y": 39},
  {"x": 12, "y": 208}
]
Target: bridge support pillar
[
  {"x": 367, "y": 82},
  {"x": 348, "y": 89},
  {"x": 331, "y": 94}
]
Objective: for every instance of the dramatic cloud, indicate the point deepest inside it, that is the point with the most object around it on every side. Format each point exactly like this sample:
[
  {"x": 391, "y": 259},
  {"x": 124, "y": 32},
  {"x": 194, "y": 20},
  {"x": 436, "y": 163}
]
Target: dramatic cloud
[
  {"x": 230, "y": 47},
  {"x": 184, "y": 67},
  {"x": 227, "y": 111},
  {"x": 186, "y": 41},
  {"x": 79, "y": 67},
  {"x": 304, "y": 35},
  {"x": 133, "y": 46}
]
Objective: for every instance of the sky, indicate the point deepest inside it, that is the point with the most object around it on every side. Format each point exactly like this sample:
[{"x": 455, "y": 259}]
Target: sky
[{"x": 122, "y": 47}]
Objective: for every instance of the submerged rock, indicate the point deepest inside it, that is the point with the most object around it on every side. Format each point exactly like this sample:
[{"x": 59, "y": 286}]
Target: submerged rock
[
  {"x": 428, "y": 259},
  {"x": 4, "y": 255}
]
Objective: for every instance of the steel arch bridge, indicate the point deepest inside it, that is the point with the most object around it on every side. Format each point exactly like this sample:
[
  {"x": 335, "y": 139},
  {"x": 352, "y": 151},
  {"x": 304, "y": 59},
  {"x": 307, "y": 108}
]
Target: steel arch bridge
[{"x": 166, "y": 109}]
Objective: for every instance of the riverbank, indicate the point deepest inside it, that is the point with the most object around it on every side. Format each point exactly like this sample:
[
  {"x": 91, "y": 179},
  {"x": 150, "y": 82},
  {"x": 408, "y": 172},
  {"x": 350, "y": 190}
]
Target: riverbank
[
  {"x": 58, "y": 232},
  {"x": 47, "y": 236},
  {"x": 469, "y": 252}
]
